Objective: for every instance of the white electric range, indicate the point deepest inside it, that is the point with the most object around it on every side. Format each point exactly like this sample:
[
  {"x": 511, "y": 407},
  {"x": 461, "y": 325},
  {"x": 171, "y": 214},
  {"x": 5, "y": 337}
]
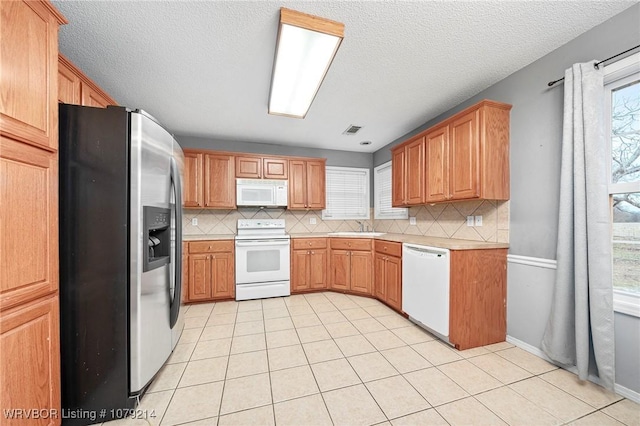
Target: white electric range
[{"x": 262, "y": 259}]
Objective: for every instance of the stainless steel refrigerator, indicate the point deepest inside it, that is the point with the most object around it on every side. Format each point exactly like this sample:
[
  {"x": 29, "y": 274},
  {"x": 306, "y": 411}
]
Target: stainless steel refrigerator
[{"x": 120, "y": 256}]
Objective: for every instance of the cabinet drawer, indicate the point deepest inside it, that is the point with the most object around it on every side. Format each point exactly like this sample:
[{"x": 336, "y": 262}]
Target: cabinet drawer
[
  {"x": 388, "y": 247},
  {"x": 211, "y": 246},
  {"x": 351, "y": 243},
  {"x": 309, "y": 243}
]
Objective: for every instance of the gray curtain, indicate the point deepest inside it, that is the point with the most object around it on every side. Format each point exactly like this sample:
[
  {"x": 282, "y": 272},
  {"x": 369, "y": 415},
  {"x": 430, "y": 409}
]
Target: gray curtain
[{"x": 582, "y": 309}]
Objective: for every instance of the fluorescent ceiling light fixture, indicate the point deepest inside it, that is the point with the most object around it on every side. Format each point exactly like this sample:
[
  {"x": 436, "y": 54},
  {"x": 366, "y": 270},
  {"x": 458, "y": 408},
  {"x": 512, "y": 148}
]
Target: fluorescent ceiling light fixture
[{"x": 305, "y": 49}]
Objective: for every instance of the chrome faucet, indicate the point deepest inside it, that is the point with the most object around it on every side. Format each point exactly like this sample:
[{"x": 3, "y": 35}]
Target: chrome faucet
[{"x": 361, "y": 224}]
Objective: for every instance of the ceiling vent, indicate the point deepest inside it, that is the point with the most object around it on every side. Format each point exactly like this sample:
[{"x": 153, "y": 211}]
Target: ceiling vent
[{"x": 352, "y": 130}]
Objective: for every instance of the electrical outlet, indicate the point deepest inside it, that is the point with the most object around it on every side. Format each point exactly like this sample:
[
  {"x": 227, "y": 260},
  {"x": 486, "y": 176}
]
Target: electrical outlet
[
  {"x": 312, "y": 220},
  {"x": 412, "y": 220},
  {"x": 194, "y": 221},
  {"x": 469, "y": 220},
  {"x": 478, "y": 220}
]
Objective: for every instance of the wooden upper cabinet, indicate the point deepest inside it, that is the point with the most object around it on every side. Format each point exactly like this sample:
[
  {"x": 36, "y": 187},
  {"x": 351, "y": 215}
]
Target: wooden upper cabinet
[
  {"x": 28, "y": 74},
  {"x": 29, "y": 227},
  {"x": 248, "y": 167},
  {"x": 464, "y": 178},
  {"x": 30, "y": 354},
  {"x": 275, "y": 168},
  {"x": 219, "y": 181},
  {"x": 316, "y": 180},
  {"x": 307, "y": 180},
  {"x": 74, "y": 87},
  {"x": 297, "y": 184},
  {"x": 259, "y": 167},
  {"x": 93, "y": 98},
  {"x": 414, "y": 172},
  {"x": 408, "y": 172},
  {"x": 68, "y": 84},
  {"x": 465, "y": 157},
  {"x": 398, "y": 181},
  {"x": 193, "y": 181},
  {"x": 437, "y": 165}
]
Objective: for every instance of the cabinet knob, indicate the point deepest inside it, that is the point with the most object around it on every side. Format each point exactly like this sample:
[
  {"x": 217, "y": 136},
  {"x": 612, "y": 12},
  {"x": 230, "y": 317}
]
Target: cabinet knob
[
  {"x": 313, "y": 252},
  {"x": 309, "y": 242},
  {"x": 209, "y": 247},
  {"x": 308, "y": 252},
  {"x": 385, "y": 249},
  {"x": 349, "y": 244}
]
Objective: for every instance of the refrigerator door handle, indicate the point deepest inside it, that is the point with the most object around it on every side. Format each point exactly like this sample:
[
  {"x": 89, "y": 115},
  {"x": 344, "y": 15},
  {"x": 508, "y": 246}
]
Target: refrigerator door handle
[{"x": 177, "y": 288}]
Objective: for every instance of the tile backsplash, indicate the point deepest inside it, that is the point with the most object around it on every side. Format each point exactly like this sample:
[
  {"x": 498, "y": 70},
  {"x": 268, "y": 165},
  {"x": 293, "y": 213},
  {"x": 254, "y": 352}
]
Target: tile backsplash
[{"x": 446, "y": 220}]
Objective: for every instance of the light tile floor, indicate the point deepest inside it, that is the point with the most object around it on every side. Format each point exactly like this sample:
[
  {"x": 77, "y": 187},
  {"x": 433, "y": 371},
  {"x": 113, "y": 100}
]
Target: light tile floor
[{"x": 335, "y": 359}]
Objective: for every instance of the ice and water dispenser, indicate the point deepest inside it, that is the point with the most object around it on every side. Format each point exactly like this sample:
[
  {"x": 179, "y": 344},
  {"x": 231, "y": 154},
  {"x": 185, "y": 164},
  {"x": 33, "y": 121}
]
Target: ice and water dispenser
[{"x": 157, "y": 235}]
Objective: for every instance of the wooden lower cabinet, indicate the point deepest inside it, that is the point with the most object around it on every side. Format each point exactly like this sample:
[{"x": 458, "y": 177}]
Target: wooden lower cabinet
[
  {"x": 477, "y": 297},
  {"x": 211, "y": 271},
  {"x": 30, "y": 354},
  {"x": 351, "y": 265},
  {"x": 388, "y": 273},
  {"x": 308, "y": 264}
]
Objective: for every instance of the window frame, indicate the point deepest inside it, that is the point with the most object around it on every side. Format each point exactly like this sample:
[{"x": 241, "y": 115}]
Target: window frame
[
  {"x": 616, "y": 75},
  {"x": 401, "y": 212},
  {"x": 366, "y": 196}
]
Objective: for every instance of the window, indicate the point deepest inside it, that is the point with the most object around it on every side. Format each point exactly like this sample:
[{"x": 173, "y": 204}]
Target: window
[
  {"x": 382, "y": 195},
  {"x": 347, "y": 194},
  {"x": 622, "y": 109}
]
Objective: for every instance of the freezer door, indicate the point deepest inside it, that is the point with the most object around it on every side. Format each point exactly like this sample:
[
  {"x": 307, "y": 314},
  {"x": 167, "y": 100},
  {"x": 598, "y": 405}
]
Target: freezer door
[{"x": 150, "y": 176}]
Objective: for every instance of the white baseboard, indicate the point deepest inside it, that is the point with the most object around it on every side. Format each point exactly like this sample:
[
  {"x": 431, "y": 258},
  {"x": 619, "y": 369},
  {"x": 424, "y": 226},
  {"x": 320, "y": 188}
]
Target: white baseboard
[{"x": 619, "y": 389}]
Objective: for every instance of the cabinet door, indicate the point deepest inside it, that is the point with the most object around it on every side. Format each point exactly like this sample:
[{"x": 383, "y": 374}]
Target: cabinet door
[
  {"x": 29, "y": 226},
  {"x": 316, "y": 178},
  {"x": 300, "y": 270},
  {"x": 361, "y": 270},
  {"x": 193, "y": 179},
  {"x": 219, "y": 181},
  {"x": 275, "y": 168},
  {"x": 199, "y": 277},
  {"x": 68, "y": 85},
  {"x": 398, "y": 187},
  {"x": 185, "y": 272},
  {"x": 414, "y": 172},
  {"x": 437, "y": 165},
  {"x": 92, "y": 98},
  {"x": 224, "y": 282},
  {"x": 340, "y": 269},
  {"x": 318, "y": 269},
  {"x": 297, "y": 184},
  {"x": 379, "y": 277},
  {"x": 30, "y": 354},
  {"x": 464, "y": 174},
  {"x": 248, "y": 167},
  {"x": 393, "y": 280},
  {"x": 29, "y": 73}
]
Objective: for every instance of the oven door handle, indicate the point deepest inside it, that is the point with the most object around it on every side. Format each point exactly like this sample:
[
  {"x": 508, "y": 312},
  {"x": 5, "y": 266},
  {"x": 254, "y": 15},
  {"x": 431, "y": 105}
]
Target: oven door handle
[{"x": 258, "y": 243}]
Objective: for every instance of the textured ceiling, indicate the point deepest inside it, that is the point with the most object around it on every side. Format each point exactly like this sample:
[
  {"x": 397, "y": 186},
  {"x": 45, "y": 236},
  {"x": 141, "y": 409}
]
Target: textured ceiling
[{"x": 204, "y": 68}]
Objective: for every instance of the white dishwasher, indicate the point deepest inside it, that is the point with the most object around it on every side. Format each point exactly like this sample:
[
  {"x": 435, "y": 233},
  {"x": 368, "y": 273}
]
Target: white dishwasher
[{"x": 425, "y": 286}]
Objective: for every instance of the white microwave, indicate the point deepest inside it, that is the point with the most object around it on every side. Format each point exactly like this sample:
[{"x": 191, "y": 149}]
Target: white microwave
[{"x": 262, "y": 192}]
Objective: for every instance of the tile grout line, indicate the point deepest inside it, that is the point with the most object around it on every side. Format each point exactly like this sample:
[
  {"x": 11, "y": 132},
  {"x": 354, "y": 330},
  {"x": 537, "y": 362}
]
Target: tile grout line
[{"x": 226, "y": 371}]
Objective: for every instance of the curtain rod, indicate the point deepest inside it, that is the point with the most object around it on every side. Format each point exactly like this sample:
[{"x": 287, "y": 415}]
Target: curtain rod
[{"x": 597, "y": 64}]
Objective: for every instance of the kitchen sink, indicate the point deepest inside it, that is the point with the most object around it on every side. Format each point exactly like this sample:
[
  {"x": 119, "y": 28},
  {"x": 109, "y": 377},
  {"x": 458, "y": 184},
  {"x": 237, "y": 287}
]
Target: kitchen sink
[{"x": 358, "y": 234}]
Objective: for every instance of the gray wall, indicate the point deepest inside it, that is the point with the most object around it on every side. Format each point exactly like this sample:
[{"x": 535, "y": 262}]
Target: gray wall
[
  {"x": 334, "y": 158},
  {"x": 536, "y": 135}
]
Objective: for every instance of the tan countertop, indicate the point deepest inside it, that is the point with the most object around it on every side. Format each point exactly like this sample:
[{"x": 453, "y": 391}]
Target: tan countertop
[
  {"x": 448, "y": 243},
  {"x": 208, "y": 237}
]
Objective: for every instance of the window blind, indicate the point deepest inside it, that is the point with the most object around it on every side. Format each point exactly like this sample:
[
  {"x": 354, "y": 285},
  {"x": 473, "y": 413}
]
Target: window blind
[
  {"x": 347, "y": 191},
  {"x": 382, "y": 196}
]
